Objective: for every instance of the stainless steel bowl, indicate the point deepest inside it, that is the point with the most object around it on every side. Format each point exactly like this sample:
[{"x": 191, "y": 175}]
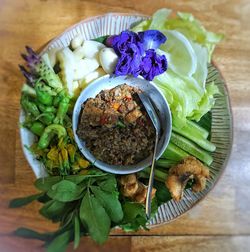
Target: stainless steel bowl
[{"x": 156, "y": 96}]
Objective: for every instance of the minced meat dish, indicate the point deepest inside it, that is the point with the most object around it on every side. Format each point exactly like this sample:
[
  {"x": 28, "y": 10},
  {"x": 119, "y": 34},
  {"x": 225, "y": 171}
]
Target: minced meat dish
[{"x": 116, "y": 128}]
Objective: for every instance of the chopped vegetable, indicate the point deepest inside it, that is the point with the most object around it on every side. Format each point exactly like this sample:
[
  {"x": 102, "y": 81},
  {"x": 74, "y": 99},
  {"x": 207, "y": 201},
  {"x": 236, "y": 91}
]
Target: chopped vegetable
[
  {"x": 89, "y": 49},
  {"x": 67, "y": 65}
]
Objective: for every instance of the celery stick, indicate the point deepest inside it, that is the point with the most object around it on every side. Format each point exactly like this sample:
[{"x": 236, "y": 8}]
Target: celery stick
[
  {"x": 191, "y": 148},
  {"x": 173, "y": 152},
  {"x": 195, "y": 137},
  {"x": 165, "y": 163}
]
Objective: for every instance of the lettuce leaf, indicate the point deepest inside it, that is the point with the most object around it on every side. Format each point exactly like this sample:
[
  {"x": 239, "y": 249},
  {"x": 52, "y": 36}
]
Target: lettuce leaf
[
  {"x": 206, "y": 103},
  {"x": 189, "y": 49}
]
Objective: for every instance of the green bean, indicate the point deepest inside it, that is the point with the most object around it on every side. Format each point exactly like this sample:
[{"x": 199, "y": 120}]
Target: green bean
[
  {"x": 46, "y": 109},
  {"x": 46, "y": 118},
  {"x": 59, "y": 97},
  {"x": 62, "y": 110},
  {"x": 29, "y": 106},
  {"x": 29, "y": 119},
  {"x": 37, "y": 128},
  {"x": 43, "y": 96},
  {"x": 50, "y": 132}
]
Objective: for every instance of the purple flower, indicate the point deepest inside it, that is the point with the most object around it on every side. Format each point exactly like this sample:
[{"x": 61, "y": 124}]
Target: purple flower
[
  {"x": 152, "y": 64},
  {"x": 137, "y": 54},
  {"x": 152, "y": 39},
  {"x": 128, "y": 47},
  {"x": 129, "y": 63},
  {"x": 122, "y": 43}
]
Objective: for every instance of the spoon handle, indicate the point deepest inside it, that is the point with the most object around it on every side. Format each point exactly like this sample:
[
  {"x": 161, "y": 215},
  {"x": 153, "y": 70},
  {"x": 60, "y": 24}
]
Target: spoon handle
[{"x": 151, "y": 180}]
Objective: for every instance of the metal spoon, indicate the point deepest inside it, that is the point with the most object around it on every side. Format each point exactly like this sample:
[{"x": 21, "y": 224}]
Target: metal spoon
[{"x": 157, "y": 125}]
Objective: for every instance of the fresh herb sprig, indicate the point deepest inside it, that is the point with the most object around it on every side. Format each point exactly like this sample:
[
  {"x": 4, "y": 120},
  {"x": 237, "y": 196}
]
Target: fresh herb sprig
[{"x": 81, "y": 204}]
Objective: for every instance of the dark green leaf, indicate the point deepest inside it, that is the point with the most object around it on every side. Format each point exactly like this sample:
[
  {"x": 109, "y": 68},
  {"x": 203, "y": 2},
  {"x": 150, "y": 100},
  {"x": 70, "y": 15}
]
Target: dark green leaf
[
  {"x": 53, "y": 210},
  {"x": 44, "y": 198},
  {"x": 101, "y": 39},
  {"x": 162, "y": 193},
  {"x": 132, "y": 210},
  {"x": 109, "y": 184},
  {"x": 24, "y": 201},
  {"x": 134, "y": 216},
  {"x": 31, "y": 234},
  {"x": 65, "y": 191},
  {"x": 67, "y": 218},
  {"x": 206, "y": 122},
  {"x": 60, "y": 243},
  {"x": 44, "y": 184},
  {"x": 77, "y": 232},
  {"x": 77, "y": 179},
  {"x": 110, "y": 202},
  {"x": 94, "y": 218}
]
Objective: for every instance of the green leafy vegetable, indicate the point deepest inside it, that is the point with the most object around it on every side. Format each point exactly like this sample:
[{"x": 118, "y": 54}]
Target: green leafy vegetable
[
  {"x": 188, "y": 48},
  {"x": 162, "y": 193},
  {"x": 60, "y": 242},
  {"x": 45, "y": 184},
  {"x": 31, "y": 234},
  {"x": 53, "y": 210},
  {"x": 95, "y": 218},
  {"x": 110, "y": 202},
  {"x": 134, "y": 216},
  {"x": 24, "y": 201},
  {"x": 65, "y": 191}
]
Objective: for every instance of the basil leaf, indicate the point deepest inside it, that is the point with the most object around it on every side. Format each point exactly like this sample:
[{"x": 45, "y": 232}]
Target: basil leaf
[
  {"x": 94, "y": 218},
  {"x": 44, "y": 184},
  {"x": 65, "y": 191},
  {"x": 31, "y": 234},
  {"x": 76, "y": 232},
  {"x": 60, "y": 243},
  {"x": 110, "y": 202},
  {"x": 53, "y": 210},
  {"x": 24, "y": 201}
]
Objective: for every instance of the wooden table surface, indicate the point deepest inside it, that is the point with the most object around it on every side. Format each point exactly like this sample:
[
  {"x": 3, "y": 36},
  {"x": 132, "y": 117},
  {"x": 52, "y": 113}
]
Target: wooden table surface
[{"x": 221, "y": 222}]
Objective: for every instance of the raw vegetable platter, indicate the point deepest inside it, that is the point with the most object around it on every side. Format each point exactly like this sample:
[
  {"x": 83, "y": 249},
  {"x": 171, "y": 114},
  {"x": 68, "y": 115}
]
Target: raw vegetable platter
[{"x": 212, "y": 117}]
